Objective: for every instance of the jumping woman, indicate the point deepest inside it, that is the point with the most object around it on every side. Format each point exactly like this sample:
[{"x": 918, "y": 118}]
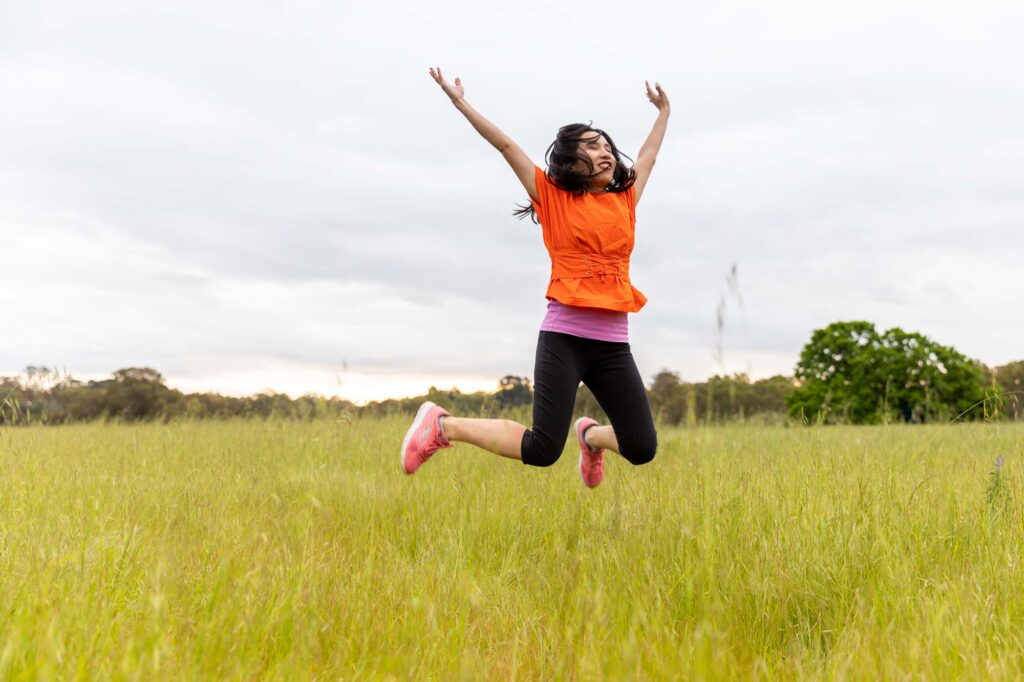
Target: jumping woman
[{"x": 585, "y": 203}]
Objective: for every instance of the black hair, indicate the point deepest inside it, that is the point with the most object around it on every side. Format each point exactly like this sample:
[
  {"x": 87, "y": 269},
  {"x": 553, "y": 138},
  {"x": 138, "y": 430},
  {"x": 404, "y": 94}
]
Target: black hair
[{"x": 561, "y": 156}]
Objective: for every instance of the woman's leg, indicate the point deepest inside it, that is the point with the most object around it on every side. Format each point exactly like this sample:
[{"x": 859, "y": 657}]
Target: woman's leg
[
  {"x": 602, "y": 437},
  {"x": 556, "y": 378},
  {"x": 616, "y": 383},
  {"x": 500, "y": 436},
  {"x": 556, "y": 375}
]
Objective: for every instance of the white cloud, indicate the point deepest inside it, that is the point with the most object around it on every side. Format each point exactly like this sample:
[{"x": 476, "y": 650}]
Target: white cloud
[{"x": 246, "y": 193}]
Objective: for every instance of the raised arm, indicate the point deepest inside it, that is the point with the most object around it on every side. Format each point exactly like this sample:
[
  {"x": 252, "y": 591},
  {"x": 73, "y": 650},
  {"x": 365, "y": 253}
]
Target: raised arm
[
  {"x": 649, "y": 151},
  {"x": 516, "y": 157}
]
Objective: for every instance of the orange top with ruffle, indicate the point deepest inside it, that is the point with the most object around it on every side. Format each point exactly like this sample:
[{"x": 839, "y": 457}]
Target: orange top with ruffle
[{"x": 589, "y": 238}]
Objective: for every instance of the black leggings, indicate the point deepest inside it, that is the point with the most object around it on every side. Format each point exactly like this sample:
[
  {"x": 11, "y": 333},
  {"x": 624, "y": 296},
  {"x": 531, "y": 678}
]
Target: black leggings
[{"x": 608, "y": 370}]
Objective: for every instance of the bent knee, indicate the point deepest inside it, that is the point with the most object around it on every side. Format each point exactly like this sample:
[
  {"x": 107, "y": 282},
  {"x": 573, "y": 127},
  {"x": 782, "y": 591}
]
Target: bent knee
[
  {"x": 641, "y": 452},
  {"x": 542, "y": 457},
  {"x": 539, "y": 451}
]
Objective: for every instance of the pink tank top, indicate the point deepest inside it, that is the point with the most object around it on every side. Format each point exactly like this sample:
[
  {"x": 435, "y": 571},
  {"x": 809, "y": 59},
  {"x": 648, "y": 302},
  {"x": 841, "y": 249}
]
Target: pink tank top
[{"x": 589, "y": 323}]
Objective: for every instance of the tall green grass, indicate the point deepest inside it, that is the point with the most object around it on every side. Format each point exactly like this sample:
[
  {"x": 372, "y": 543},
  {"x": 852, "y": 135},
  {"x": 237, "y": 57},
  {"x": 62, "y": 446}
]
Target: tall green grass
[{"x": 288, "y": 550}]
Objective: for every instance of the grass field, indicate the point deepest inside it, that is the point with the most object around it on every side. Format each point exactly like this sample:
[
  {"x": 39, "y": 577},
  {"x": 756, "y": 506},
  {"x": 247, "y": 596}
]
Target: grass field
[{"x": 289, "y": 550}]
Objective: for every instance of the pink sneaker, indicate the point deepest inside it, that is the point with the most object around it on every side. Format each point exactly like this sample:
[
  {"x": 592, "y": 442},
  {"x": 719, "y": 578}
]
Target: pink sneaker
[
  {"x": 424, "y": 437},
  {"x": 591, "y": 460}
]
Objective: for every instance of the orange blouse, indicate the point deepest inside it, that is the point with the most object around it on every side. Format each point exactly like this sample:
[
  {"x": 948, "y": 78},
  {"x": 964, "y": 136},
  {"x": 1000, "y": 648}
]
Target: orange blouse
[{"x": 589, "y": 238}]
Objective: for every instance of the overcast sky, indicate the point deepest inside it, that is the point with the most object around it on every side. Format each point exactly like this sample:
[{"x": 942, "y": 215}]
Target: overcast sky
[{"x": 276, "y": 195}]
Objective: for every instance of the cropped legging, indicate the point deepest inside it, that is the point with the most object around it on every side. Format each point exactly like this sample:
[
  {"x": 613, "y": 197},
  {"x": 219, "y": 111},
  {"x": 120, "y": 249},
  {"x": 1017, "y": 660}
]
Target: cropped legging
[{"x": 608, "y": 370}]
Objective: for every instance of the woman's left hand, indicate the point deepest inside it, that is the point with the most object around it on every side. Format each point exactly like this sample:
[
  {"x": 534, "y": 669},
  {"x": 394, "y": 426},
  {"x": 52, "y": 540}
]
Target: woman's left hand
[{"x": 658, "y": 97}]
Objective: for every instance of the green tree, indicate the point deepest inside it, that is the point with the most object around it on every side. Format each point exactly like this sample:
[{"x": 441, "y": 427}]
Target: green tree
[
  {"x": 137, "y": 393},
  {"x": 1009, "y": 382},
  {"x": 587, "y": 405},
  {"x": 669, "y": 398},
  {"x": 514, "y": 391},
  {"x": 849, "y": 372},
  {"x": 75, "y": 401},
  {"x": 926, "y": 381},
  {"x": 835, "y": 376},
  {"x": 12, "y": 400}
]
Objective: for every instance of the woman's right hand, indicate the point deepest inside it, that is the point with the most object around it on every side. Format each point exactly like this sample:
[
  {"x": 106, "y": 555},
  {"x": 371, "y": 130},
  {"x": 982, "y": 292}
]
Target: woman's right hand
[
  {"x": 516, "y": 157},
  {"x": 455, "y": 92}
]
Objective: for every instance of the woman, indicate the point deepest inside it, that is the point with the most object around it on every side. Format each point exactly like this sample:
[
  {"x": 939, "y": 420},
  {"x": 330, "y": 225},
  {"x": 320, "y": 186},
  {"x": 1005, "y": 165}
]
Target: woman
[{"x": 585, "y": 203}]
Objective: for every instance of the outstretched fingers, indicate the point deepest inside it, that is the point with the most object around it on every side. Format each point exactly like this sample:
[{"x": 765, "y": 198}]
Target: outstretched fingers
[
  {"x": 656, "y": 95},
  {"x": 453, "y": 91}
]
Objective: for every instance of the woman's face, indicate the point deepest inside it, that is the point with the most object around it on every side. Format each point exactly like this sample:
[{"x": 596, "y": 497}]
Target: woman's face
[{"x": 595, "y": 147}]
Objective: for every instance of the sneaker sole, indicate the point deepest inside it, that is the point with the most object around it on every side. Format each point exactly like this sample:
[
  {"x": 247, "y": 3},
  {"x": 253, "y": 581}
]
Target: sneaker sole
[{"x": 420, "y": 416}]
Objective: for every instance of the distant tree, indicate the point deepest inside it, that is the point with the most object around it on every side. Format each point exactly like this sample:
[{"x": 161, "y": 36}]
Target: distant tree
[
  {"x": 835, "y": 375},
  {"x": 141, "y": 374},
  {"x": 587, "y": 405},
  {"x": 1011, "y": 376},
  {"x": 41, "y": 379},
  {"x": 926, "y": 381},
  {"x": 669, "y": 399},
  {"x": 75, "y": 401},
  {"x": 768, "y": 396},
  {"x": 514, "y": 391},
  {"x": 1009, "y": 384},
  {"x": 29, "y": 398},
  {"x": 12, "y": 400},
  {"x": 849, "y": 372},
  {"x": 269, "y": 404},
  {"x": 137, "y": 393}
]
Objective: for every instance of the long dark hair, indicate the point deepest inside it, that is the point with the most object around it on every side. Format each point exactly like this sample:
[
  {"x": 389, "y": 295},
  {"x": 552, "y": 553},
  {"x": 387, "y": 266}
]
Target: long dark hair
[{"x": 561, "y": 155}]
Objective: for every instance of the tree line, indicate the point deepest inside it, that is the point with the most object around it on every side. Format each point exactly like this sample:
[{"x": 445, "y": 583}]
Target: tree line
[
  {"x": 849, "y": 372},
  {"x": 46, "y": 396}
]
